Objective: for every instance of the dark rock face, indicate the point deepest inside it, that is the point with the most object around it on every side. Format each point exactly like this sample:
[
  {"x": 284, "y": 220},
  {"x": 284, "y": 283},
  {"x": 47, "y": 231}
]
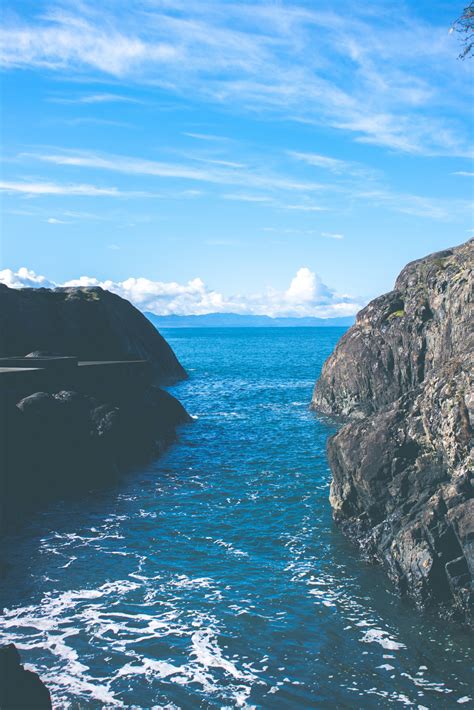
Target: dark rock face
[
  {"x": 55, "y": 444},
  {"x": 403, "y": 466},
  {"x": 73, "y": 427},
  {"x": 89, "y": 323},
  {"x": 20, "y": 689}
]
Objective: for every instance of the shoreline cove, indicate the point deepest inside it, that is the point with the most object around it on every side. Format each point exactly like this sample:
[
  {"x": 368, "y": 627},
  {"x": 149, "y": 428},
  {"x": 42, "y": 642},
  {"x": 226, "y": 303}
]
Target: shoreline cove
[{"x": 214, "y": 576}]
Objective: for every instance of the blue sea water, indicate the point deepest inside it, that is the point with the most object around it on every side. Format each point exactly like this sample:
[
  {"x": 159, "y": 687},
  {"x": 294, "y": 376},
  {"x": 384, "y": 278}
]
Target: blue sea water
[{"x": 214, "y": 577}]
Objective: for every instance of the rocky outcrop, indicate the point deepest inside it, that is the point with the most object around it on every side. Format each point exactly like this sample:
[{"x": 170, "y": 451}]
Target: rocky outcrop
[
  {"x": 57, "y": 444},
  {"x": 67, "y": 427},
  {"x": 20, "y": 689},
  {"x": 403, "y": 465},
  {"x": 89, "y": 323}
]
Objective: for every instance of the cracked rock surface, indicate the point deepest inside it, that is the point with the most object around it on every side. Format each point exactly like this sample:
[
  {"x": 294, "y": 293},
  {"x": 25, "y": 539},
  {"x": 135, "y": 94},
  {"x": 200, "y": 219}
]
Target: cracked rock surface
[{"x": 402, "y": 379}]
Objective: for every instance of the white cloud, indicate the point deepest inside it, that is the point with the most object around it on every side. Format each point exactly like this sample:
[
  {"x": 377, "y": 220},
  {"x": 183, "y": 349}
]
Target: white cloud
[
  {"x": 54, "y": 220},
  {"x": 306, "y": 295},
  {"x": 24, "y": 278},
  {"x": 50, "y": 188},
  {"x": 303, "y": 288},
  {"x": 70, "y": 41},
  {"x": 464, "y": 173}
]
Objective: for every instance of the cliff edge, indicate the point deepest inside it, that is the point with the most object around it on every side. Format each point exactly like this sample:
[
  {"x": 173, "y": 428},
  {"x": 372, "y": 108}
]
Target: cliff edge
[{"x": 403, "y": 464}]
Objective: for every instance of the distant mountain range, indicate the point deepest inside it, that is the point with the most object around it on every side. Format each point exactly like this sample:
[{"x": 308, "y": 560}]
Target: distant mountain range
[{"x": 236, "y": 320}]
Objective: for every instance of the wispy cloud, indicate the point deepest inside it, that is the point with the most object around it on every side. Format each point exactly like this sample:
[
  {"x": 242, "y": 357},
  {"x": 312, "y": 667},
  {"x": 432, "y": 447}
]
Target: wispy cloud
[
  {"x": 306, "y": 295},
  {"x": 305, "y": 208},
  {"x": 55, "y": 220},
  {"x": 332, "y": 235},
  {"x": 225, "y": 174},
  {"x": 92, "y": 120},
  {"x": 334, "y": 165},
  {"x": 206, "y": 137},
  {"x": 417, "y": 205},
  {"x": 381, "y": 75},
  {"x": 241, "y": 197},
  {"x": 96, "y": 99},
  {"x": 49, "y": 188},
  {"x": 68, "y": 41},
  {"x": 464, "y": 173},
  {"x": 272, "y": 190}
]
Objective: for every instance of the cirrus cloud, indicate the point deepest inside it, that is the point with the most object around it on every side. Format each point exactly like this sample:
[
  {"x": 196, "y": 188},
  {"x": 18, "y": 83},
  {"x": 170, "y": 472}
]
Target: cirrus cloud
[{"x": 274, "y": 58}]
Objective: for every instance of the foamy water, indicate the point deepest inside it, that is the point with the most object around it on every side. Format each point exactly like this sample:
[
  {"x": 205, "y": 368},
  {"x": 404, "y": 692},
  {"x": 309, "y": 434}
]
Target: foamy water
[{"x": 214, "y": 578}]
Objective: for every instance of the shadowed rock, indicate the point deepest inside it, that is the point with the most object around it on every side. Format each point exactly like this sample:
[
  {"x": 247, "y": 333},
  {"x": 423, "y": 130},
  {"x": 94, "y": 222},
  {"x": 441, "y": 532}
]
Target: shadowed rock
[
  {"x": 67, "y": 426},
  {"x": 89, "y": 323},
  {"x": 402, "y": 468},
  {"x": 20, "y": 689},
  {"x": 55, "y": 444}
]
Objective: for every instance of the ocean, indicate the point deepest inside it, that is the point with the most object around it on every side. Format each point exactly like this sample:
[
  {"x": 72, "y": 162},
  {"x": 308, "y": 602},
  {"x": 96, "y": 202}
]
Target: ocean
[{"x": 214, "y": 576}]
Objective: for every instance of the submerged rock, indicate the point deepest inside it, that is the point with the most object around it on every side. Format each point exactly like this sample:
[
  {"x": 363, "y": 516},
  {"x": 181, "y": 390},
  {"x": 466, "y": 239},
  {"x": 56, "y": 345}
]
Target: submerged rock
[
  {"x": 403, "y": 465},
  {"x": 20, "y": 689}
]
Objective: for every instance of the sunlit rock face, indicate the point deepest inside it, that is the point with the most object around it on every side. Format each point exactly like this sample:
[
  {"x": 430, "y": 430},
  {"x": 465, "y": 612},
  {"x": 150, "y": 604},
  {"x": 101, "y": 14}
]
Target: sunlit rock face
[{"x": 402, "y": 466}]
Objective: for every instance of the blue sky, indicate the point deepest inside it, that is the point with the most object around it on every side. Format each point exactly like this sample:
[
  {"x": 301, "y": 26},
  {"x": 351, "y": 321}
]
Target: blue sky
[{"x": 269, "y": 157}]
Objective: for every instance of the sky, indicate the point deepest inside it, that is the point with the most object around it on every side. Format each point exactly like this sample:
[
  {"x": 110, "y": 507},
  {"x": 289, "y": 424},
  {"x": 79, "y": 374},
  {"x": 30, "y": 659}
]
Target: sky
[{"x": 197, "y": 156}]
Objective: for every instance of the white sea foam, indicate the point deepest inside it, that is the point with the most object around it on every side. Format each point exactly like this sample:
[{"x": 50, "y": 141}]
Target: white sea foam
[
  {"x": 230, "y": 548},
  {"x": 383, "y": 638},
  {"x": 53, "y": 625},
  {"x": 427, "y": 684},
  {"x": 205, "y": 659}
]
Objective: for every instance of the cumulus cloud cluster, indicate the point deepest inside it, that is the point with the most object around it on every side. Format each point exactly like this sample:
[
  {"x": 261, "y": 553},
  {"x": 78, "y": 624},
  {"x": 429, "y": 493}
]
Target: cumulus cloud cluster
[{"x": 306, "y": 295}]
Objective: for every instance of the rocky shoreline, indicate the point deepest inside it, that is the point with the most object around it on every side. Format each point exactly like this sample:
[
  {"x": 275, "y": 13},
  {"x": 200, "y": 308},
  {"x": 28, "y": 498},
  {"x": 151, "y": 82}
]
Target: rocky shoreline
[{"x": 402, "y": 466}]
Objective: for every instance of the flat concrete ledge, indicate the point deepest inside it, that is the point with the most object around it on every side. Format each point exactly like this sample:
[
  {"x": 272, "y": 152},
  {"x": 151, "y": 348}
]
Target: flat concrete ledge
[
  {"x": 42, "y": 361},
  {"x": 95, "y": 377}
]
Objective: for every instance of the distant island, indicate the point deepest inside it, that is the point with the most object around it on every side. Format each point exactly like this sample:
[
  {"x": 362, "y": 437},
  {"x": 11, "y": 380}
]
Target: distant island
[{"x": 237, "y": 320}]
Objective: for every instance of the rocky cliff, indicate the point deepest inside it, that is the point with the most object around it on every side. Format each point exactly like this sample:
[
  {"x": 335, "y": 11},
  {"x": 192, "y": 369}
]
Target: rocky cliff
[
  {"x": 90, "y": 323},
  {"x": 74, "y": 428},
  {"x": 403, "y": 464}
]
